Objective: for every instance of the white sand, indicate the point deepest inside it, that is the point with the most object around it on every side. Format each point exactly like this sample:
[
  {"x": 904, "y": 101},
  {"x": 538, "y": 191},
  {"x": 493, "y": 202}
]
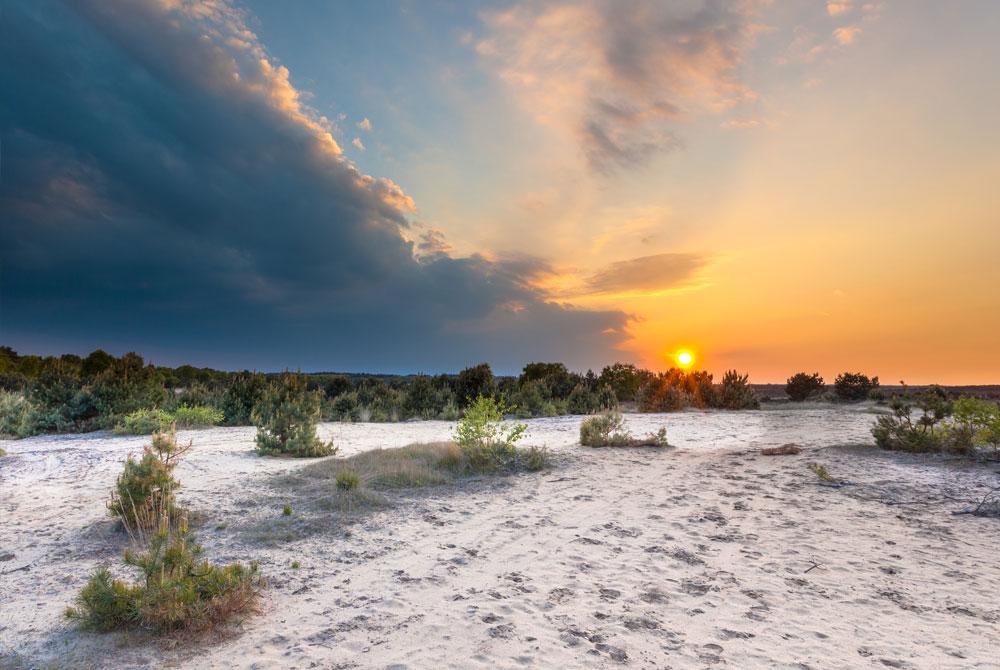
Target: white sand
[{"x": 704, "y": 554}]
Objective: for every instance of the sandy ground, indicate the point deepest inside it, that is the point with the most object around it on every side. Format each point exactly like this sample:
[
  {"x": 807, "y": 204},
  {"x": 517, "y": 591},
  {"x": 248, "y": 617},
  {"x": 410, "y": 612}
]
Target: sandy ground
[{"x": 705, "y": 554}]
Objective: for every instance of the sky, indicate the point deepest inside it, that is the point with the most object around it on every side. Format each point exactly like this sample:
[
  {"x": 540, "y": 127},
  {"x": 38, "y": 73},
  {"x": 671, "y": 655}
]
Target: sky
[{"x": 782, "y": 186}]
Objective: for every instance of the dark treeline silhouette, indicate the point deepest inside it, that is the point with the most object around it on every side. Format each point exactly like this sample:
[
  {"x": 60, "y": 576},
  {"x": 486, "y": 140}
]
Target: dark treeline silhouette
[{"x": 73, "y": 393}]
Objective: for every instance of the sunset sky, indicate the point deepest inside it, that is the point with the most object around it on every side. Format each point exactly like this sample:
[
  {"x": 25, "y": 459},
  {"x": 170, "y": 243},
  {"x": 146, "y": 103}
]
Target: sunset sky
[{"x": 420, "y": 186}]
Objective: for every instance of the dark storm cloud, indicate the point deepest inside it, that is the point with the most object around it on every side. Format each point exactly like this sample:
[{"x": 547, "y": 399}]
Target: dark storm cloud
[{"x": 164, "y": 188}]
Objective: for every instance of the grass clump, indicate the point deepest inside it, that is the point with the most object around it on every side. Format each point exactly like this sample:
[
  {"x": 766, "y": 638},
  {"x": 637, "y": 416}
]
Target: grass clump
[
  {"x": 145, "y": 489},
  {"x": 608, "y": 430},
  {"x": 286, "y": 510},
  {"x": 198, "y": 416},
  {"x": 347, "y": 480},
  {"x": 296, "y": 565},
  {"x": 144, "y": 422},
  {"x": 286, "y": 419}
]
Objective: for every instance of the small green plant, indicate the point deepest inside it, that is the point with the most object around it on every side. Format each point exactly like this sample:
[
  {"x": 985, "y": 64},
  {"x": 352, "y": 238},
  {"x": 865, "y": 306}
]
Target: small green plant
[
  {"x": 144, "y": 422},
  {"x": 821, "y": 472},
  {"x": 147, "y": 484},
  {"x": 485, "y": 439},
  {"x": 286, "y": 419},
  {"x": 608, "y": 430},
  {"x": 347, "y": 480},
  {"x": 296, "y": 565},
  {"x": 899, "y": 432},
  {"x": 198, "y": 416},
  {"x": 286, "y": 510}
]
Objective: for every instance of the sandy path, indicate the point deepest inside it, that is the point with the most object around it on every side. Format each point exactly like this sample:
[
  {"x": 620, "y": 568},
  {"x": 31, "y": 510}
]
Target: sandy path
[{"x": 705, "y": 554}]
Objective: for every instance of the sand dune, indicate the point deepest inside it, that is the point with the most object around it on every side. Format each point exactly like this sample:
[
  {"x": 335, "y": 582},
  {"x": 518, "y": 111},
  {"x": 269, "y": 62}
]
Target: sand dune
[{"x": 704, "y": 554}]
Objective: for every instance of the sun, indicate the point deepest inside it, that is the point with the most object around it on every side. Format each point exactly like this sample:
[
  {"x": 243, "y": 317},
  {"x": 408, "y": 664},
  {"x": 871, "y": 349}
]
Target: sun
[{"x": 685, "y": 359}]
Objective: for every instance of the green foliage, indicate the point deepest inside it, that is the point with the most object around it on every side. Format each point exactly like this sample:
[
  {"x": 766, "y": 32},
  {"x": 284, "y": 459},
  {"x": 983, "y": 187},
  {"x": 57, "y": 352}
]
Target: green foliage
[
  {"x": 661, "y": 393},
  {"x": 144, "y": 422},
  {"x": 286, "y": 419},
  {"x": 15, "y": 410},
  {"x": 976, "y": 423},
  {"x": 624, "y": 379},
  {"x": 487, "y": 441},
  {"x": 473, "y": 383},
  {"x": 241, "y": 396},
  {"x": 735, "y": 392},
  {"x": 178, "y": 590},
  {"x": 608, "y": 430},
  {"x": 347, "y": 480},
  {"x": 899, "y": 432},
  {"x": 286, "y": 510},
  {"x": 145, "y": 490},
  {"x": 582, "y": 400},
  {"x": 802, "y": 386},
  {"x": 854, "y": 386},
  {"x": 199, "y": 416},
  {"x": 296, "y": 565},
  {"x": 555, "y": 379}
]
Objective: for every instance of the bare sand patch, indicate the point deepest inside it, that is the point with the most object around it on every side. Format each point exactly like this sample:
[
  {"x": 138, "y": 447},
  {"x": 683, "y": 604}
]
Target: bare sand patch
[{"x": 706, "y": 554}]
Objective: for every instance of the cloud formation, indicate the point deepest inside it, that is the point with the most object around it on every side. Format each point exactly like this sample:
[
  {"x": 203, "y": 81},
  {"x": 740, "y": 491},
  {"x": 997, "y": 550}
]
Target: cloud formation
[
  {"x": 167, "y": 189},
  {"x": 622, "y": 75},
  {"x": 646, "y": 274}
]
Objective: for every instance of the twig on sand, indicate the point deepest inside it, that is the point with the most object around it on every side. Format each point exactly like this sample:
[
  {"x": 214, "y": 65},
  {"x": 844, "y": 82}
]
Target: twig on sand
[
  {"x": 988, "y": 505},
  {"x": 812, "y": 567}
]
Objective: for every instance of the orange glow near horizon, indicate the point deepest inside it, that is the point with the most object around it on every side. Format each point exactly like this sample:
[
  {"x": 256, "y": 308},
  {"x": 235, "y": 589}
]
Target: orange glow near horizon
[{"x": 684, "y": 358}]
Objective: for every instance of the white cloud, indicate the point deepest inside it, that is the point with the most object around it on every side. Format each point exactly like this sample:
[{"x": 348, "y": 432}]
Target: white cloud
[{"x": 357, "y": 142}]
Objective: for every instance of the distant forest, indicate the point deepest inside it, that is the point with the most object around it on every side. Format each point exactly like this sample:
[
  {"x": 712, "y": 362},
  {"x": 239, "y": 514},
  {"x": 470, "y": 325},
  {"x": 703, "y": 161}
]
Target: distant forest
[{"x": 70, "y": 393}]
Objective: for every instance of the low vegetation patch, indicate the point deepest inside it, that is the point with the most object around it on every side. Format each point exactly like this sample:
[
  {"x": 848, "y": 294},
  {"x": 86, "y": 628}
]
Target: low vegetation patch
[
  {"x": 801, "y": 386},
  {"x": 198, "y": 416},
  {"x": 144, "y": 422},
  {"x": 608, "y": 430},
  {"x": 930, "y": 422}
]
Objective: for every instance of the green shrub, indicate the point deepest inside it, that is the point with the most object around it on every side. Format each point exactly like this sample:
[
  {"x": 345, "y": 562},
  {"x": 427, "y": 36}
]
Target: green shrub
[
  {"x": 582, "y": 400},
  {"x": 178, "y": 590},
  {"x": 198, "y": 416},
  {"x": 241, "y": 396},
  {"x": 145, "y": 490},
  {"x": 286, "y": 510},
  {"x": 144, "y": 422},
  {"x": 976, "y": 423},
  {"x": 624, "y": 379},
  {"x": 802, "y": 386},
  {"x": 608, "y": 430},
  {"x": 854, "y": 386},
  {"x": 899, "y": 432},
  {"x": 347, "y": 480},
  {"x": 15, "y": 409},
  {"x": 735, "y": 392},
  {"x": 286, "y": 419},
  {"x": 486, "y": 440},
  {"x": 450, "y": 411},
  {"x": 296, "y": 565}
]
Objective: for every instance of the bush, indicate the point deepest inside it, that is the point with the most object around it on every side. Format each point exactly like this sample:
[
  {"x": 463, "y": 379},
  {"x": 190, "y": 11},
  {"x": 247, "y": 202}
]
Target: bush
[
  {"x": 624, "y": 379},
  {"x": 488, "y": 442},
  {"x": 144, "y": 422},
  {"x": 15, "y": 408},
  {"x": 660, "y": 394},
  {"x": 802, "y": 386},
  {"x": 145, "y": 490},
  {"x": 474, "y": 382},
  {"x": 241, "y": 396},
  {"x": 286, "y": 420},
  {"x": 199, "y": 416},
  {"x": 854, "y": 386},
  {"x": 898, "y": 431},
  {"x": 178, "y": 590},
  {"x": 608, "y": 430},
  {"x": 976, "y": 423},
  {"x": 582, "y": 400},
  {"x": 735, "y": 392}
]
